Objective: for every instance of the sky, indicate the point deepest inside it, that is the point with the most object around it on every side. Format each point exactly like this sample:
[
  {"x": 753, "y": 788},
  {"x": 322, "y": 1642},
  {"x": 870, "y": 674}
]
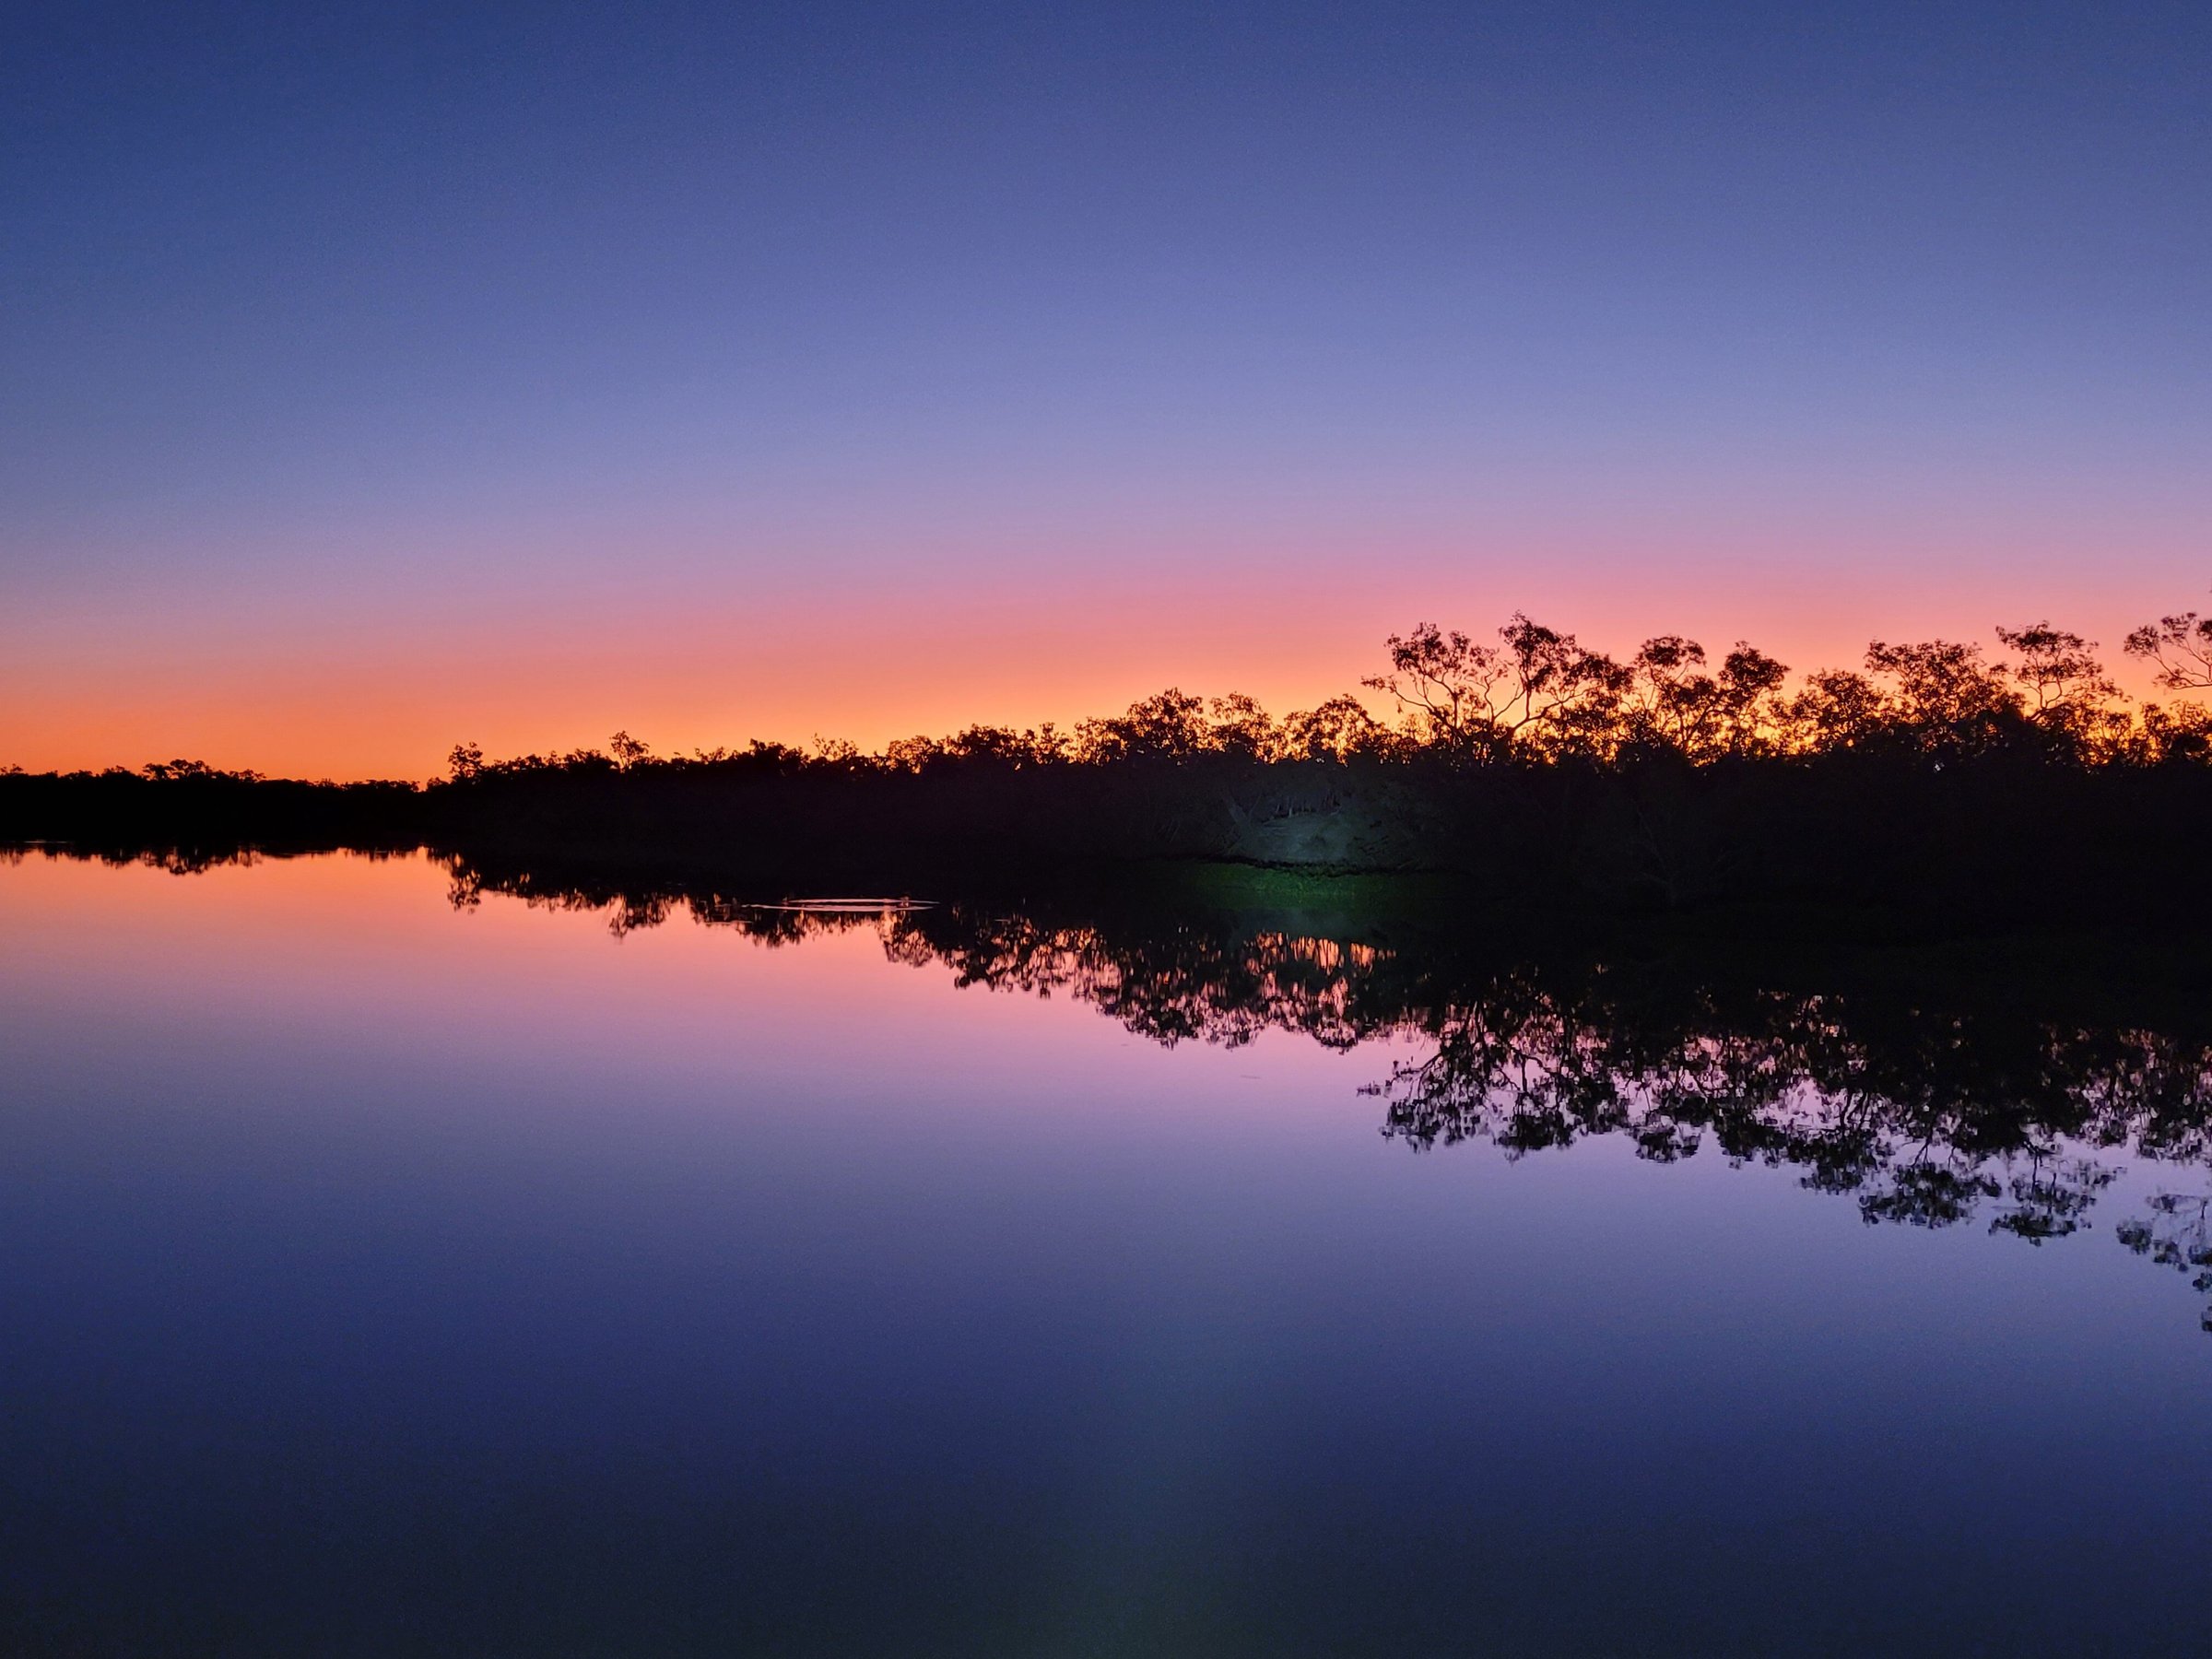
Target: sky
[{"x": 373, "y": 378}]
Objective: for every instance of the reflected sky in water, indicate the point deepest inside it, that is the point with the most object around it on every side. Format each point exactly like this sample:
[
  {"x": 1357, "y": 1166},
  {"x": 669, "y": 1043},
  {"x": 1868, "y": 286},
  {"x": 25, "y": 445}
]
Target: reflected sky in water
[{"x": 384, "y": 1278}]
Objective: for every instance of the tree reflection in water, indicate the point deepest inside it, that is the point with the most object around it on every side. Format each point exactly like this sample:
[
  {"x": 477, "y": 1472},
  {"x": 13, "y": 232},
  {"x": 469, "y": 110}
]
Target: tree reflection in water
[
  {"x": 1932, "y": 1109},
  {"x": 1923, "y": 1111}
]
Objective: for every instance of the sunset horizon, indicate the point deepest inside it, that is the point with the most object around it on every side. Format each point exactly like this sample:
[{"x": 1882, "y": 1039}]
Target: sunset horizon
[
  {"x": 1071, "y": 830},
  {"x": 376, "y": 384},
  {"x": 308, "y": 720}
]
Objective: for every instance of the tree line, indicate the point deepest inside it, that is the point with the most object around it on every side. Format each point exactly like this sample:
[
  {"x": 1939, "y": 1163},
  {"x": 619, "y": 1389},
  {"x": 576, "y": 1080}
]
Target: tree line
[
  {"x": 1960, "y": 786},
  {"x": 1540, "y": 695}
]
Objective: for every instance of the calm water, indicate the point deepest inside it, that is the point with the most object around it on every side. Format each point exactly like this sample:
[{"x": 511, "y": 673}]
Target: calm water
[{"x": 383, "y": 1277}]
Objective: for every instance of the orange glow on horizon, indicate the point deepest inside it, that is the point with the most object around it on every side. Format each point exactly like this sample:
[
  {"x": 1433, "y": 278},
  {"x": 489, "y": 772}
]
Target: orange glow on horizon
[{"x": 311, "y": 702}]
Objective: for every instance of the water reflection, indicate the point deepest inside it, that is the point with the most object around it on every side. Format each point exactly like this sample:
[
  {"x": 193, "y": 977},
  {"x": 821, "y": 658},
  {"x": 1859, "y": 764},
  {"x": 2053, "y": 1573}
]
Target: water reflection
[
  {"x": 1988, "y": 1097},
  {"x": 1974, "y": 1106},
  {"x": 386, "y": 1279}
]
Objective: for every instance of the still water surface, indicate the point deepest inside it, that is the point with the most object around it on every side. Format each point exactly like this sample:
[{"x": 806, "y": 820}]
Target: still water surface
[{"x": 380, "y": 1276}]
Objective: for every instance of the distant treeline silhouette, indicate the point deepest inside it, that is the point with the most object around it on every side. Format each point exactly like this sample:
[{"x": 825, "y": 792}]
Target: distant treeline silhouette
[{"x": 1936, "y": 778}]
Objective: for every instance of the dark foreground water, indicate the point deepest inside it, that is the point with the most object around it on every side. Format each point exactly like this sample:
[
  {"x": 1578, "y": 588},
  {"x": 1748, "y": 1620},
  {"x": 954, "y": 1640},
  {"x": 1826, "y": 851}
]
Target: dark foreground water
[{"x": 384, "y": 1274}]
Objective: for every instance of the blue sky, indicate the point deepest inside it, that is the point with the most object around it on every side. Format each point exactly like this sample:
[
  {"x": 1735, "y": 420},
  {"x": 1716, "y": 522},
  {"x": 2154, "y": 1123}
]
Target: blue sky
[{"x": 584, "y": 320}]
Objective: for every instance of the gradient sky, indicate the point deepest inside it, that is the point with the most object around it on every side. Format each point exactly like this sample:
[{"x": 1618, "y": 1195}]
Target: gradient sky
[{"x": 376, "y": 377}]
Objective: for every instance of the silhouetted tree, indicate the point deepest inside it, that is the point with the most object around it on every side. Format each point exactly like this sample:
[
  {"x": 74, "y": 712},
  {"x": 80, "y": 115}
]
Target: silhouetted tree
[
  {"x": 2181, "y": 647},
  {"x": 1444, "y": 681},
  {"x": 2065, "y": 686},
  {"x": 1750, "y": 700},
  {"x": 1670, "y": 702},
  {"x": 628, "y": 751},
  {"x": 1238, "y": 725},
  {"x": 1336, "y": 730},
  {"x": 1538, "y": 692},
  {"x": 1837, "y": 709},
  {"x": 1169, "y": 725},
  {"x": 1943, "y": 695}
]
